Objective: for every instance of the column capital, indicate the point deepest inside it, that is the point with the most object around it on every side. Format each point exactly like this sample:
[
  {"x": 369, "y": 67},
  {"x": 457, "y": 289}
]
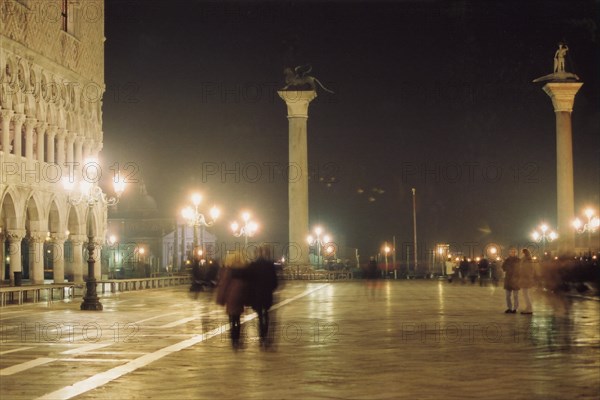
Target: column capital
[
  {"x": 297, "y": 101},
  {"x": 42, "y": 127},
  {"x": 37, "y": 237},
  {"x": 19, "y": 118},
  {"x": 52, "y": 130},
  {"x": 562, "y": 94},
  {"x": 58, "y": 238},
  {"x": 78, "y": 240},
  {"x": 30, "y": 122},
  {"x": 6, "y": 114},
  {"x": 15, "y": 235}
]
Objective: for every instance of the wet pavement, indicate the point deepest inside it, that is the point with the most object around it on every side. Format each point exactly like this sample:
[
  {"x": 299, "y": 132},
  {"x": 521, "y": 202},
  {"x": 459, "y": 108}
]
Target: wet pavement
[{"x": 341, "y": 340}]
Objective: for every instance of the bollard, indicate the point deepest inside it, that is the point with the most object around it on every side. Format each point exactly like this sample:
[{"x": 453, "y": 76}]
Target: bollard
[{"x": 18, "y": 276}]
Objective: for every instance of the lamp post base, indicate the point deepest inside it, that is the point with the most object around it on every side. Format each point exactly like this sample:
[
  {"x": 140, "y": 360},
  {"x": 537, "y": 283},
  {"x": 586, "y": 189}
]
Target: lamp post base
[{"x": 91, "y": 301}]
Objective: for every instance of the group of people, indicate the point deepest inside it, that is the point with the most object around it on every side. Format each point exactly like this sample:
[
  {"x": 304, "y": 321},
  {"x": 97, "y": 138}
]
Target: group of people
[
  {"x": 243, "y": 283},
  {"x": 471, "y": 269},
  {"x": 519, "y": 276}
]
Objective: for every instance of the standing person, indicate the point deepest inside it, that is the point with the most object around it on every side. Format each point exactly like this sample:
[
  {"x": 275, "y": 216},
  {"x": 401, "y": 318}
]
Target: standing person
[
  {"x": 526, "y": 279},
  {"x": 463, "y": 268},
  {"x": 473, "y": 271},
  {"x": 484, "y": 270},
  {"x": 197, "y": 279},
  {"x": 511, "y": 281},
  {"x": 263, "y": 282},
  {"x": 231, "y": 293}
]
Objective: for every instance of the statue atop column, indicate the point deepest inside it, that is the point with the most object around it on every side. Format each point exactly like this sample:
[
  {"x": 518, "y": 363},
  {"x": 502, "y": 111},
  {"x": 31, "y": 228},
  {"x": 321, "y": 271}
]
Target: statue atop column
[
  {"x": 559, "y": 57},
  {"x": 298, "y": 79},
  {"x": 559, "y": 73}
]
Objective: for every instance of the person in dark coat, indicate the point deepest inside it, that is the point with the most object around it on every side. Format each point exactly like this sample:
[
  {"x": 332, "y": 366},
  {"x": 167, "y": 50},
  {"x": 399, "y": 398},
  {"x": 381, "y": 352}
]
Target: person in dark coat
[
  {"x": 511, "y": 281},
  {"x": 262, "y": 279},
  {"x": 197, "y": 279},
  {"x": 463, "y": 269},
  {"x": 231, "y": 293},
  {"x": 484, "y": 270}
]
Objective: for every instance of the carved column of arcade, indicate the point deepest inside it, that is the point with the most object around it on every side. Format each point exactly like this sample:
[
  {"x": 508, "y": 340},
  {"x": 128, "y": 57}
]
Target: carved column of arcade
[
  {"x": 30, "y": 123},
  {"x": 78, "y": 152},
  {"x": 297, "y": 107},
  {"x": 61, "y": 151},
  {"x": 51, "y": 134},
  {"x": 58, "y": 257},
  {"x": 563, "y": 97},
  {"x": 15, "y": 236},
  {"x": 77, "y": 257},
  {"x": 36, "y": 257},
  {"x": 19, "y": 119},
  {"x": 67, "y": 166},
  {"x": 87, "y": 152},
  {"x": 2, "y": 256},
  {"x": 6, "y": 117},
  {"x": 41, "y": 133}
]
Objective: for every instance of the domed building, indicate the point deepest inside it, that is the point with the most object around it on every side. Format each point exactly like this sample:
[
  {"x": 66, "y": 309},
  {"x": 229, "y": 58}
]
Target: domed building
[{"x": 141, "y": 242}]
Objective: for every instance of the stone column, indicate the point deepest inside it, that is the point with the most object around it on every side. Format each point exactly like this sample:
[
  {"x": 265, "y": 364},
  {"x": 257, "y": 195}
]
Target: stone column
[
  {"x": 30, "y": 123},
  {"x": 58, "y": 257},
  {"x": 60, "y": 148},
  {"x": 6, "y": 117},
  {"x": 15, "y": 237},
  {"x": 36, "y": 257},
  {"x": 50, "y": 137},
  {"x": 87, "y": 149},
  {"x": 79, "y": 152},
  {"x": 77, "y": 259},
  {"x": 41, "y": 131},
  {"x": 19, "y": 119},
  {"x": 297, "y": 107},
  {"x": 563, "y": 97},
  {"x": 2, "y": 256}
]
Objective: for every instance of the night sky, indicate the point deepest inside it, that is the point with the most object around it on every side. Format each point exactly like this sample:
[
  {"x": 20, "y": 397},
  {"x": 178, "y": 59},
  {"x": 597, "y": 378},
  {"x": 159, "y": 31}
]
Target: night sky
[{"x": 432, "y": 95}]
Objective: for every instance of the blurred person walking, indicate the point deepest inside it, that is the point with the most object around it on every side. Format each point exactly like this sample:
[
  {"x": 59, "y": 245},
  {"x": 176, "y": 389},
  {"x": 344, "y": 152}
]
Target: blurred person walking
[
  {"x": 262, "y": 279},
  {"x": 511, "y": 281},
  {"x": 232, "y": 293},
  {"x": 526, "y": 279}
]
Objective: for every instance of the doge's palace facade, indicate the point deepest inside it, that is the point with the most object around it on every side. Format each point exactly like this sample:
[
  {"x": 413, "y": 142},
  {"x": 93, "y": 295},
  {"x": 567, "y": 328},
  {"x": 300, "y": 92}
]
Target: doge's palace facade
[{"x": 52, "y": 82}]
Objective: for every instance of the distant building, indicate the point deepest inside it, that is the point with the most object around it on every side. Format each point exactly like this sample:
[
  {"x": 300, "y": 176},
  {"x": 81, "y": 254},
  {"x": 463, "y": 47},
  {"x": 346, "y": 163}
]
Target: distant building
[{"x": 144, "y": 240}]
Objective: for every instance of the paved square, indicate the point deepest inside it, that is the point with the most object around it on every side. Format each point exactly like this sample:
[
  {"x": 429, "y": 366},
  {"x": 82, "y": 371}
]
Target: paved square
[{"x": 342, "y": 340}]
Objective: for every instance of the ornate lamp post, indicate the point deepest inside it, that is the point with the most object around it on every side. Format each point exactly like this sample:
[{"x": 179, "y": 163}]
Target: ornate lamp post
[
  {"x": 319, "y": 242},
  {"x": 112, "y": 240},
  {"x": 247, "y": 230},
  {"x": 592, "y": 225},
  {"x": 543, "y": 236},
  {"x": 196, "y": 219},
  {"x": 91, "y": 194},
  {"x": 386, "y": 250}
]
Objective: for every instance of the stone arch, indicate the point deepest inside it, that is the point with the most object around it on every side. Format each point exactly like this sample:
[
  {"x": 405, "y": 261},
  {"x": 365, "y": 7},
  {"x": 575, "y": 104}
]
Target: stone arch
[
  {"x": 73, "y": 220},
  {"x": 33, "y": 215},
  {"x": 9, "y": 215},
  {"x": 55, "y": 223}
]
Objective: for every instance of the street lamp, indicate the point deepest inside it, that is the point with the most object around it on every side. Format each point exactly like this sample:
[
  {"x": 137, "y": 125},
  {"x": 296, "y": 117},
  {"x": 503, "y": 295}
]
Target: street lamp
[
  {"x": 91, "y": 194},
  {"x": 543, "y": 236},
  {"x": 386, "y": 250},
  {"x": 590, "y": 227},
  {"x": 196, "y": 219},
  {"x": 319, "y": 242},
  {"x": 247, "y": 230},
  {"x": 112, "y": 240}
]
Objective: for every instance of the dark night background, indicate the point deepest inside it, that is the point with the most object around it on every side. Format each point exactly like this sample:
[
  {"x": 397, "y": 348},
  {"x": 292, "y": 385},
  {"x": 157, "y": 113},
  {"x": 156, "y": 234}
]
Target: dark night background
[{"x": 438, "y": 87}]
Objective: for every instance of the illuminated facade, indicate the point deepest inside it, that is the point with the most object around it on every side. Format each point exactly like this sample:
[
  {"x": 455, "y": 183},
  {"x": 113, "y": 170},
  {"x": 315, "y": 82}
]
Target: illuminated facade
[{"x": 52, "y": 83}]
